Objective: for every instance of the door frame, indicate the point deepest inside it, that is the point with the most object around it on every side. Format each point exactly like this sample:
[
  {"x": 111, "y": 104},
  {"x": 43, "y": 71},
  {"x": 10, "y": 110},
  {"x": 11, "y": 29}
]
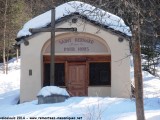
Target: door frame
[{"x": 79, "y": 59}]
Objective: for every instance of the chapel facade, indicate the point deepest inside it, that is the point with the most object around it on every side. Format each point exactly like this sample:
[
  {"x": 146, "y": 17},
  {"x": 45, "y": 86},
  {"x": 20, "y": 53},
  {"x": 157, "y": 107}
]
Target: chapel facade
[
  {"x": 87, "y": 63},
  {"x": 90, "y": 62}
]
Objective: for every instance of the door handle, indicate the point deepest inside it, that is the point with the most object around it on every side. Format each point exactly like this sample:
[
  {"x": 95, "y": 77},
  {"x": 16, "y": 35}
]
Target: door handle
[{"x": 69, "y": 83}]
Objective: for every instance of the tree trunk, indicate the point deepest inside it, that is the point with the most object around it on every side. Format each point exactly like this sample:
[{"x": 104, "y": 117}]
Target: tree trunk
[
  {"x": 17, "y": 54},
  {"x": 4, "y": 39},
  {"x": 7, "y": 57},
  {"x": 137, "y": 69}
]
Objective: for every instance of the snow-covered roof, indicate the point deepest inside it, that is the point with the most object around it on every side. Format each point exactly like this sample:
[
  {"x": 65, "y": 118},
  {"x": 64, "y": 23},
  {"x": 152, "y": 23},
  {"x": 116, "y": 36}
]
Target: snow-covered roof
[
  {"x": 50, "y": 90},
  {"x": 92, "y": 13}
]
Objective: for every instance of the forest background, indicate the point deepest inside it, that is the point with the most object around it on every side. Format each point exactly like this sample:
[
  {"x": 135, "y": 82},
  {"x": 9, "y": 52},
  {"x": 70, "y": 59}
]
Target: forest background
[{"x": 15, "y": 13}]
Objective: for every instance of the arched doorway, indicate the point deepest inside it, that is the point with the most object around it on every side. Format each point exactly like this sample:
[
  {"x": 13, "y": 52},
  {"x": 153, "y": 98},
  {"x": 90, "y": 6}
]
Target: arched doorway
[{"x": 81, "y": 60}]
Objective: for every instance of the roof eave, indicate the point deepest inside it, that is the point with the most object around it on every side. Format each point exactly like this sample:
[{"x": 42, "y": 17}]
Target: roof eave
[{"x": 116, "y": 32}]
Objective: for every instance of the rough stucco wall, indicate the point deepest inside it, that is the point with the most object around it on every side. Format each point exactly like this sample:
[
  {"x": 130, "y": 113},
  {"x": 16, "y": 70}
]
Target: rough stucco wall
[
  {"x": 32, "y": 59},
  {"x": 120, "y": 66},
  {"x": 99, "y": 91}
]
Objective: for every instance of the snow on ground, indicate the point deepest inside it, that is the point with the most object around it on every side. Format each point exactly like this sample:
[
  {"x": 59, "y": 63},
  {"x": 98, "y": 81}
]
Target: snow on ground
[
  {"x": 11, "y": 81},
  {"x": 151, "y": 83},
  {"x": 9, "y": 98},
  {"x": 87, "y": 108}
]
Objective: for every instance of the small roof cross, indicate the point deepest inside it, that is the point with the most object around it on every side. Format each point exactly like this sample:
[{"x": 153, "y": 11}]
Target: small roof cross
[{"x": 52, "y": 29}]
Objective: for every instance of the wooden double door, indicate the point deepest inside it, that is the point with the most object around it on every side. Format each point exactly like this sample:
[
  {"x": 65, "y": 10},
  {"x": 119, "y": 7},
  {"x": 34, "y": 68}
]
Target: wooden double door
[{"x": 76, "y": 82}]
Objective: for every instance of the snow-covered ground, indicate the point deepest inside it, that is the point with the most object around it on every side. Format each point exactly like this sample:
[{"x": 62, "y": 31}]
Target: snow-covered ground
[
  {"x": 11, "y": 81},
  {"x": 80, "y": 108}
]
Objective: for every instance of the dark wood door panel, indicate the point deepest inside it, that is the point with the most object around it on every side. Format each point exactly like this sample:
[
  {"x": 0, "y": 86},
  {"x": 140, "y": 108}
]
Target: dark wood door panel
[{"x": 77, "y": 79}]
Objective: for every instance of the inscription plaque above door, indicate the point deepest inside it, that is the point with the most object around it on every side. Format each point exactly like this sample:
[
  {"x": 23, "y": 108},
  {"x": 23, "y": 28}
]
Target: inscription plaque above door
[{"x": 78, "y": 45}]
